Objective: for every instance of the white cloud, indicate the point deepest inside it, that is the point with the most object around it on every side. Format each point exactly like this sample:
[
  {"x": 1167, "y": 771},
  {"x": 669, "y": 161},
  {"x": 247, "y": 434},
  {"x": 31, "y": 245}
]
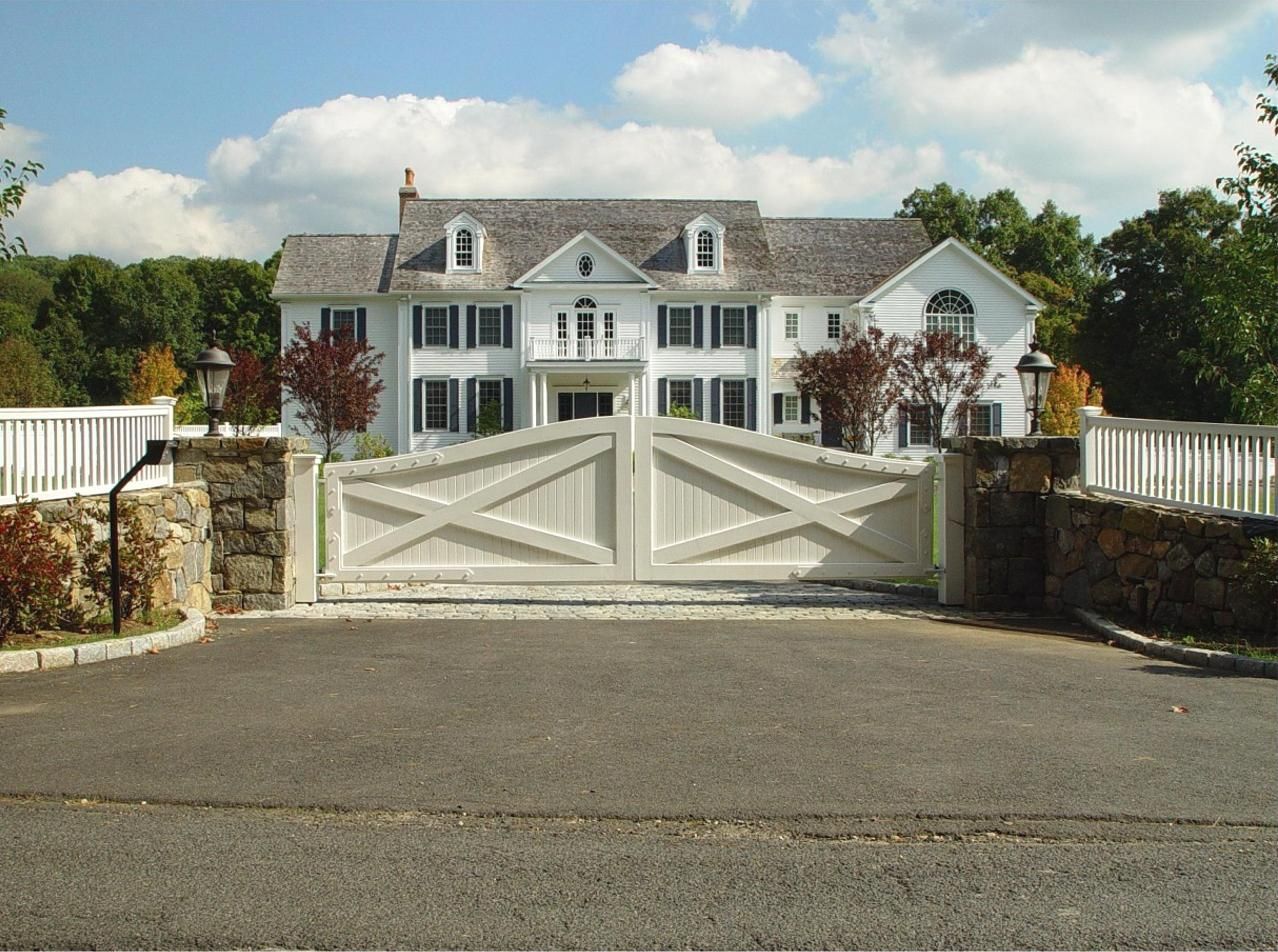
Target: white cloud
[
  {"x": 336, "y": 167},
  {"x": 136, "y": 213},
  {"x": 716, "y": 86},
  {"x": 739, "y": 8},
  {"x": 1099, "y": 129},
  {"x": 20, "y": 143}
]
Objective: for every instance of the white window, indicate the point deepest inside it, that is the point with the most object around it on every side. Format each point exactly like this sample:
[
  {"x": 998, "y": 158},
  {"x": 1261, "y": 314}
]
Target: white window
[
  {"x": 490, "y": 392},
  {"x": 585, "y": 265},
  {"x": 791, "y": 325},
  {"x": 434, "y": 327},
  {"x": 952, "y": 311},
  {"x": 585, "y": 310},
  {"x": 980, "y": 420},
  {"x": 489, "y": 326},
  {"x": 734, "y": 403},
  {"x": 679, "y": 393},
  {"x": 610, "y": 325},
  {"x": 790, "y": 408},
  {"x": 734, "y": 327},
  {"x": 705, "y": 250},
  {"x": 463, "y": 248},
  {"x": 919, "y": 426},
  {"x": 343, "y": 322},
  {"x": 435, "y": 404},
  {"x": 834, "y": 325},
  {"x": 679, "y": 320}
]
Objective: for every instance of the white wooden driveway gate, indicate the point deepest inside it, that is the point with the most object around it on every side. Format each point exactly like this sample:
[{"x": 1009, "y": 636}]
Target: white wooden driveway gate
[{"x": 622, "y": 498}]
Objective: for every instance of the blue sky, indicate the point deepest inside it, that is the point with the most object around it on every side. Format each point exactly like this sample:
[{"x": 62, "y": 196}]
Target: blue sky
[{"x": 216, "y": 128}]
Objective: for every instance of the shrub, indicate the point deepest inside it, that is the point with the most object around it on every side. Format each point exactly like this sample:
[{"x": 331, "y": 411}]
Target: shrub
[
  {"x": 141, "y": 558},
  {"x": 372, "y": 446},
  {"x": 681, "y": 412},
  {"x": 35, "y": 573},
  {"x": 1259, "y": 577},
  {"x": 489, "y": 421}
]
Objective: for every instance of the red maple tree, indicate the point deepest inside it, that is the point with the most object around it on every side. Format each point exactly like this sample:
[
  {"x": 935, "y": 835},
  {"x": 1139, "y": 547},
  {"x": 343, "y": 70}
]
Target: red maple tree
[
  {"x": 334, "y": 382},
  {"x": 855, "y": 384},
  {"x": 944, "y": 374}
]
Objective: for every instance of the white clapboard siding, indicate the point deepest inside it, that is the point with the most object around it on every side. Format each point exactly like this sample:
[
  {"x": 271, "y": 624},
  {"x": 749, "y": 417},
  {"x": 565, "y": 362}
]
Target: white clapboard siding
[
  {"x": 715, "y": 502},
  {"x": 545, "y": 504}
]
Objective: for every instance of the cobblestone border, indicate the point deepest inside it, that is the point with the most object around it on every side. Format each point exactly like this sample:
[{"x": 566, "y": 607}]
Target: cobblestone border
[
  {"x": 1174, "y": 651},
  {"x": 904, "y": 589},
  {"x": 46, "y": 659}
]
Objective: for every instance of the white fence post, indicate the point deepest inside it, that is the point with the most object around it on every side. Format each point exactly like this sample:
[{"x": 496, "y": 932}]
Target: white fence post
[
  {"x": 306, "y": 556},
  {"x": 1087, "y": 448},
  {"x": 951, "y": 587}
]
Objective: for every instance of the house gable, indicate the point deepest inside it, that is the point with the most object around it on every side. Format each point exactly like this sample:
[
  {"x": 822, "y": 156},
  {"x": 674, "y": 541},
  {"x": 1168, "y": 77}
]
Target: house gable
[
  {"x": 584, "y": 259},
  {"x": 954, "y": 247}
]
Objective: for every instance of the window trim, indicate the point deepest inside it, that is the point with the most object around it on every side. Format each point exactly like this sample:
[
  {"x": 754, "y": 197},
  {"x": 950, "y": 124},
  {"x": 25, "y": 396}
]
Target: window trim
[
  {"x": 745, "y": 401},
  {"x": 353, "y": 311},
  {"x": 966, "y": 320},
  {"x": 692, "y": 231},
  {"x": 501, "y": 391},
  {"x": 426, "y": 382},
  {"x": 910, "y": 441},
  {"x": 835, "y": 317},
  {"x": 745, "y": 326},
  {"x": 464, "y": 223},
  {"x": 692, "y": 329},
  {"x": 425, "y": 344},
  {"x": 787, "y": 399},
  {"x": 798, "y": 324},
  {"x": 692, "y": 393},
  {"x": 479, "y": 336}
]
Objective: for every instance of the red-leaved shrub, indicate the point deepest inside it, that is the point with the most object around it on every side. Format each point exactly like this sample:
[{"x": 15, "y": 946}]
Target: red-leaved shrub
[{"x": 36, "y": 572}]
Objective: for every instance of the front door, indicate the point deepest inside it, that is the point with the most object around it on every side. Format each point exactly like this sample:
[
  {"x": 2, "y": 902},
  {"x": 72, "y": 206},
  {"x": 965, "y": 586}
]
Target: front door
[{"x": 579, "y": 406}]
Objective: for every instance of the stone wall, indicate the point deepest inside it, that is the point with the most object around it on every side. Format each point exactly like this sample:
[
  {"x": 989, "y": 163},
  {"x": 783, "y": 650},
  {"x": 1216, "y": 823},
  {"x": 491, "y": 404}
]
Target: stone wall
[
  {"x": 1006, "y": 481},
  {"x": 250, "y": 486},
  {"x": 1167, "y": 567},
  {"x": 179, "y": 515}
]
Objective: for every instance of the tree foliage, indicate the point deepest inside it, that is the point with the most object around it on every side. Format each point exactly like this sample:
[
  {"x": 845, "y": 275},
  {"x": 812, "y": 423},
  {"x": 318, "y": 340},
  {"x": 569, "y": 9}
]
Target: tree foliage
[
  {"x": 1070, "y": 389},
  {"x": 334, "y": 383},
  {"x": 252, "y": 394},
  {"x": 855, "y": 385},
  {"x": 154, "y": 375},
  {"x": 944, "y": 373},
  {"x": 13, "y": 188},
  {"x": 26, "y": 380}
]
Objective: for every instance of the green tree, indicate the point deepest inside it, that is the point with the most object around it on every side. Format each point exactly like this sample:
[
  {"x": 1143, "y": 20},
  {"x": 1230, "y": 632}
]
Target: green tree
[
  {"x": 13, "y": 188},
  {"x": 234, "y": 304},
  {"x": 26, "y": 380},
  {"x": 1239, "y": 327},
  {"x": 944, "y": 212}
]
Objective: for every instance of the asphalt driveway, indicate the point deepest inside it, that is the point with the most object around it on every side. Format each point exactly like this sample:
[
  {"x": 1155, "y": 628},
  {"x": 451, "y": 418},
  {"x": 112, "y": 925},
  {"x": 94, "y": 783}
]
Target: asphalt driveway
[{"x": 651, "y": 719}]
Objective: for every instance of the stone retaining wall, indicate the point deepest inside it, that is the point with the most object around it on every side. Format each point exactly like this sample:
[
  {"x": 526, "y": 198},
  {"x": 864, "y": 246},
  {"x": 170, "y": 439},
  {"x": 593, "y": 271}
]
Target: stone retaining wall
[
  {"x": 250, "y": 485},
  {"x": 1153, "y": 564},
  {"x": 178, "y": 514}
]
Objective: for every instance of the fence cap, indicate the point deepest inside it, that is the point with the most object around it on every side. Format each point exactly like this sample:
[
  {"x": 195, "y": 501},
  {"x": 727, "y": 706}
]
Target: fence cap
[{"x": 1090, "y": 411}]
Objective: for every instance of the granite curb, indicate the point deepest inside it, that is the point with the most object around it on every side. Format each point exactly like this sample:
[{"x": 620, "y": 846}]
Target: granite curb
[
  {"x": 1122, "y": 637},
  {"x": 47, "y": 659}
]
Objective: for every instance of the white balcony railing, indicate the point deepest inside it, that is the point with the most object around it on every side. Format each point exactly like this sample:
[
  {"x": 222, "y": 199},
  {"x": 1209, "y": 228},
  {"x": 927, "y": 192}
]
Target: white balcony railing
[
  {"x": 610, "y": 348},
  {"x": 1212, "y": 467},
  {"x": 61, "y": 452}
]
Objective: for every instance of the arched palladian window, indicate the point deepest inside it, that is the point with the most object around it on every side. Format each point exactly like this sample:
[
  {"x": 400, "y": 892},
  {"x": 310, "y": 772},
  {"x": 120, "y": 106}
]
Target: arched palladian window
[
  {"x": 705, "y": 250},
  {"x": 463, "y": 248},
  {"x": 951, "y": 310}
]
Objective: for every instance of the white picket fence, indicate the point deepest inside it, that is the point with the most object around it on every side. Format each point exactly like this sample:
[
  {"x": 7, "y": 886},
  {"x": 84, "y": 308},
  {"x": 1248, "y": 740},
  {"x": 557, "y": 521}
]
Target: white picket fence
[
  {"x": 61, "y": 452},
  {"x": 1211, "y": 467}
]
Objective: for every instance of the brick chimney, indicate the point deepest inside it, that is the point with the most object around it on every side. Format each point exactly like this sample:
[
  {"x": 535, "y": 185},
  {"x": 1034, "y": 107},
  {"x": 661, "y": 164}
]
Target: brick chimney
[{"x": 407, "y": 193}]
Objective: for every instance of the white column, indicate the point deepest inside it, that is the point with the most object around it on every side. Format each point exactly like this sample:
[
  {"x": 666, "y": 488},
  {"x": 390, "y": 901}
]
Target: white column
[
  {"x": 305, "y": 470},
  {"x": 544, "y": 397},
  {"x": 404, "y": 399},
  {"x": 951, "y": 588},
  {"x": 533, "y": 416}
]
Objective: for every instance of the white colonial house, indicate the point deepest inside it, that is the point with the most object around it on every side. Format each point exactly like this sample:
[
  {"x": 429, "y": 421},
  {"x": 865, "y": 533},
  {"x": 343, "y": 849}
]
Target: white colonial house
[{"x": 563, "y": 309}]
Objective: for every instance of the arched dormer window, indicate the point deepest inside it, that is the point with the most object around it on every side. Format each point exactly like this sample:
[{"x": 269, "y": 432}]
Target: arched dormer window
[
  {"x": 465, "y": 244},
  {"x": 951, "y": 310},
  {"x": 703, "y": 240}
]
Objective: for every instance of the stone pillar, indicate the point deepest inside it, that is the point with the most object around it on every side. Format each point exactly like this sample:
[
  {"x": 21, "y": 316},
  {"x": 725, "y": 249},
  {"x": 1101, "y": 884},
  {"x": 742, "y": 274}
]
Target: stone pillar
[
  {"x": 1006, "y": 482},
  {"x": 250, "y": 483}
]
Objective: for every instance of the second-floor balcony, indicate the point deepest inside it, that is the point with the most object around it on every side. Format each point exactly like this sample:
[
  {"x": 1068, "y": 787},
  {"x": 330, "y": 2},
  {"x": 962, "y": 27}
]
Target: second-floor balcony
[{"x": 586, "y": 348}]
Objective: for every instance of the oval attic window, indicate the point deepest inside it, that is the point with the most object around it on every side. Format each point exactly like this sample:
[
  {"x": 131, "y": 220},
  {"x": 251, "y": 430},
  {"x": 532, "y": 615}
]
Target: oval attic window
[{"x": 585, "y": 265}]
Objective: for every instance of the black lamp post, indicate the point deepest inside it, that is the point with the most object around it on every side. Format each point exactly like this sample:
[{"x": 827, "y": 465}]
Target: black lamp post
[
  {"x": 213, "y": 370},
  {"x": 1035, "y": 370},
  {"x": 158, "y": 452}
]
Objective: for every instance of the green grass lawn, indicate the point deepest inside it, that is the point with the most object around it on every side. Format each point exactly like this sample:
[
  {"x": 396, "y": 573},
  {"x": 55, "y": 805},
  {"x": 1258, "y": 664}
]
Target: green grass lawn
[{"x": 99, "y": 629}]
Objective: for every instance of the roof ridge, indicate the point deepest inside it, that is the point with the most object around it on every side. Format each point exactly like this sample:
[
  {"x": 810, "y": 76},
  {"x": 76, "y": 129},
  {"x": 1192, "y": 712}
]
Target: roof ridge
[
  {"x": 836, "y": 218},
  {"x": 735, "y": 201},
  {"x": 343, "y": 234}
]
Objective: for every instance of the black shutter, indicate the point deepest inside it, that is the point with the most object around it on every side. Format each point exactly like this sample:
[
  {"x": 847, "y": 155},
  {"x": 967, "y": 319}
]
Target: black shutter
[
  {"x": 417, "y": 326},
  {"x": 454, "y": 328},
  {"x": 752, "y": 326},
  {"x": 326, "y": 321},
  {"x": 714, "y": 398},
  {"x": 454, "y": 417},
  {"x": 697, "y": 405},
  {"x": 661, "y": 325},
  {"x": 752, "y": 404},
  {"x": 361, "y": 323},
  {"x": 507, "y": 403},
  {"x": 508, "y": 326},
  {"x": 472, "y": 327},
  {"x": 996, "y": 419},
  {"x": 698, "y": 333},
  {"x": 716, "y": 328},
  {"x": 903, "y": 428},
  {"x": 471, "y": 389},
  {"x": 662, "y": 390},
  {"x": 418, "y": 399},
  {"x": 778, "y": 408},
  {"x": 805, "y": 409}
]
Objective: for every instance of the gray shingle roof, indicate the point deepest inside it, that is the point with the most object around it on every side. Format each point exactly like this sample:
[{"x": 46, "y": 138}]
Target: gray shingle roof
[
  {"x": 837, "y": 256},
  {"x": 523, "y": 232},
  {"x": 335, "y": 264},
  {"x": 817, "y": 256}
]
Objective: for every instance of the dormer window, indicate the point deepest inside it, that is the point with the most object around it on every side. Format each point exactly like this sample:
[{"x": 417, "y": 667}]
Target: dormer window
[
  {"x": 465, "y": 244},
  {"x": 703, "y": 240}
]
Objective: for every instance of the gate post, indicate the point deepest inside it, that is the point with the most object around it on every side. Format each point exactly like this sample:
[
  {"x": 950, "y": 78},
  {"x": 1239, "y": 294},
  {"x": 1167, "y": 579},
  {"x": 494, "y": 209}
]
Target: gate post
[
  {"x": 305, "y": 494},
  {"x": 952, "y": 581}
]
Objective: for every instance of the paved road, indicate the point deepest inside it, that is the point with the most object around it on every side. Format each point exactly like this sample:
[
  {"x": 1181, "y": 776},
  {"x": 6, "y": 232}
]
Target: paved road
[{"x": 415, "y": 783}]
